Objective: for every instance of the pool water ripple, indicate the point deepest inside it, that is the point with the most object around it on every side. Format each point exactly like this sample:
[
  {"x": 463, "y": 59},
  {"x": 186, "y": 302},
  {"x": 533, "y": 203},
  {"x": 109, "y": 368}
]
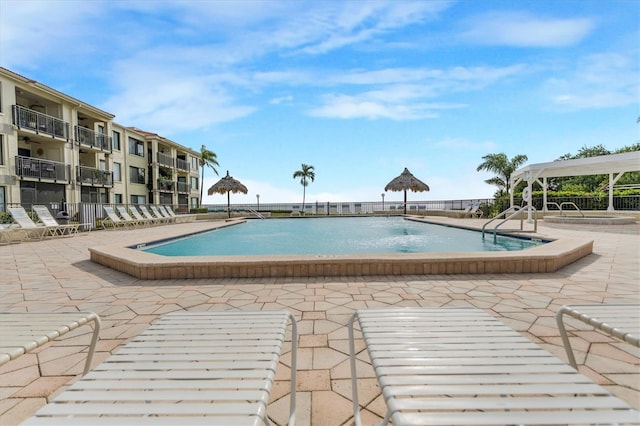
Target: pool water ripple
[{"x": 335, "y": 236}]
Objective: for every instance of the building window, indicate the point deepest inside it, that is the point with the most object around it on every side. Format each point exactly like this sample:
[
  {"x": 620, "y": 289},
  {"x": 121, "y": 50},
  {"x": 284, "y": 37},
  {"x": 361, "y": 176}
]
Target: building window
[
  {"x": 3, "y": 200},
  {"x": 117, "y": 198},
  {"x": 194, "y": 163},
  {"x": 136, "y": 175},
  {"x": 116, "y": 140},
  {"x": 136, "y": 147},
  {"x": 117, "y": 172},
  {"x": 1, "y": 149},
  {"x": 194, "y": 183},
  {"x": 103, "y": 165},
  {"x": 138, "y": 199},
  {"x": 194, "y": 203}
]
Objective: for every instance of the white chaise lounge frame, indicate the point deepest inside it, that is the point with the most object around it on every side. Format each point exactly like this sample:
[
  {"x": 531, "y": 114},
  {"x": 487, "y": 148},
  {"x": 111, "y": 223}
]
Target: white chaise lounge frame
[
  {"x": 187, "y": 368},
  {"x": 461, "y": 366},
  {"x": 22, "y": 332},
  {"x": 621, "y": 321}
]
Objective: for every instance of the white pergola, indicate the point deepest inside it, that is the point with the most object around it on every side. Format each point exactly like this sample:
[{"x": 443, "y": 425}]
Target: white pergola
[{"x": 615, "y": 165}]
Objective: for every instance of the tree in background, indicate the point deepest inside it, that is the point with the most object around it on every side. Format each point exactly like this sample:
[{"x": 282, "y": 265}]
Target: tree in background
[
  {"x": 503, "y": 167},
  {"x": 305, "y": 174},
  {"x": 207, "y": 159},
  {"x": 593, "y": 183}
]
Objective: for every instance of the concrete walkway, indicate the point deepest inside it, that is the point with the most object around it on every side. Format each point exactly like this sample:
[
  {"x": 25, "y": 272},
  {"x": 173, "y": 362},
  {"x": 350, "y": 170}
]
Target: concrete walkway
[{"x": 56, "y": 276}]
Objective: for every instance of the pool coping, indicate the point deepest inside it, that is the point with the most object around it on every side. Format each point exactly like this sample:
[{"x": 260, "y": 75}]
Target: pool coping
[{"x": 549, "y": 257}]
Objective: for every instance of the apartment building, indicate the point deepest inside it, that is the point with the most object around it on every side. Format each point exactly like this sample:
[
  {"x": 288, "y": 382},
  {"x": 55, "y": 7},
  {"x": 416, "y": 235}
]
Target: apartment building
[{"x": 58, "y": 150}]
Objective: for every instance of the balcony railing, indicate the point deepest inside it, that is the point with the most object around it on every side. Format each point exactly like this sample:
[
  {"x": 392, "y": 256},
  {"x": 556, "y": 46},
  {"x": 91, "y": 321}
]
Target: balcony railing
[
  {"x": 164, "y": 160},
  {"x": 26, "y": 118},
  {"x": 43, "y": 170},
  {"x": 93, "y": 177},
  {"x": 88, "y": 137},
  {"x": 165, "y": 185},
  {"x": 182, "y": 164},
  {"x": 183, "y": 187}
]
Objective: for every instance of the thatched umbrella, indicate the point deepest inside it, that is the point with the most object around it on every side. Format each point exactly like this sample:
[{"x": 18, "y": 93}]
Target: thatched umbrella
[
  {"x": 406, "y": 181},
  {"x": 227, "y": 185}
]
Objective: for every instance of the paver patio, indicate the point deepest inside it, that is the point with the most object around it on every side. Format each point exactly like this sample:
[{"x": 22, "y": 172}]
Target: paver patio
[{"x": 56, "y": 275}]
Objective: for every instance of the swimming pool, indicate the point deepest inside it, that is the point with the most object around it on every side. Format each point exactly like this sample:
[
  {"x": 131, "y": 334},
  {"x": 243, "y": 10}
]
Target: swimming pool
[
  {"x": 335, "y": 236},
  {"x": 126, "y": 258}
]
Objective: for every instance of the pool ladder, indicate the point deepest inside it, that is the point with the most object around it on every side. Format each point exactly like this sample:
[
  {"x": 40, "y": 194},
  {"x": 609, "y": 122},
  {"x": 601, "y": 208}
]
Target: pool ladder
[
  {"x": 255, "y": 212},
  {"x": 566, "y": 203},
  {"x": 509, "y": 214}
]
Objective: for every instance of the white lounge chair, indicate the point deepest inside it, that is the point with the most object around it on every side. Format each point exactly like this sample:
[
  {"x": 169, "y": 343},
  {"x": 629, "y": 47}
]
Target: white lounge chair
[
  {"x": 180, "y": 217},
  {"x": 187, "y": 368},
  {"x": 114, "y": 221},
  {"x": 124, "y": 214},
  {"x": 148, "y": 215},
  {"x": 10, "y": 234},
  {"x": 161, "y": 215},
  {"x": 474, "y": 212},
  {"x": 621, "y": 321},
  {"x": 461, "y": 366},
  {"x": 32, "y": 230},
  {"x": 45, "y": 216},
  {"x": 140, "y": 218},
  {"x": 22, "y": 332}
]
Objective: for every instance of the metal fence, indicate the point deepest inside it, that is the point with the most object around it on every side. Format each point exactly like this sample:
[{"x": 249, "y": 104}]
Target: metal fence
[{"x": 92, "y": 214}]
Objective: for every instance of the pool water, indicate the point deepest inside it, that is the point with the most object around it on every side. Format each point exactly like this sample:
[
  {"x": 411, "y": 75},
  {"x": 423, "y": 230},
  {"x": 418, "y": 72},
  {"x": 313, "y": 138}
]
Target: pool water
[{"x": 335, "y": 236}]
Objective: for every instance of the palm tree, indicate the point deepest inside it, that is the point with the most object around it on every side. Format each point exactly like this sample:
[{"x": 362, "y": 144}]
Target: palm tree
[
  {"x": 305, "y": 174},
  {"x": 207, "y": 159},
  {"x": 500, "y": 164}
]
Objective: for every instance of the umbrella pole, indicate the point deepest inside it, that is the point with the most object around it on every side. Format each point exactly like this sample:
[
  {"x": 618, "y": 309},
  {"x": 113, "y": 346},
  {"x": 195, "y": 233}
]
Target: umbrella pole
[
  {"x": 405, "y": 201},
  {"x": 228, "y": 204}
]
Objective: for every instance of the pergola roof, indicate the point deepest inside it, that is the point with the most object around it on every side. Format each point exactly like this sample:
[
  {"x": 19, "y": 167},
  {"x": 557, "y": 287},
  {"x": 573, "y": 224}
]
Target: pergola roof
[{"x": 603, "y": 164}]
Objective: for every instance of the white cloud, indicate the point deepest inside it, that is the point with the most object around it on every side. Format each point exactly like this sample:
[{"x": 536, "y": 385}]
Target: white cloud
[
  {"x": 347, "y": 107},
  {"x": 525, "y": 30},
  {"x": 598, "y": 81},
  {"x": 402, "y": 93},
  {"x": 457, "y": 143}
]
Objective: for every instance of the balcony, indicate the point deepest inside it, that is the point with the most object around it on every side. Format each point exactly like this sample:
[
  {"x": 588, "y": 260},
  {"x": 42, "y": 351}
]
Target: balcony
[
  {"x": 89, "y": 138},
  {"x": 183, "y": 188},
  {"x": 165, "y": 160},
  {"x": 93, "y": 177},
  {"x": 182, "y": 164},
  {"x": 25, "y": 118},
  {"x": 165, "y": 185},
  {"x": 29, "y": 168}
]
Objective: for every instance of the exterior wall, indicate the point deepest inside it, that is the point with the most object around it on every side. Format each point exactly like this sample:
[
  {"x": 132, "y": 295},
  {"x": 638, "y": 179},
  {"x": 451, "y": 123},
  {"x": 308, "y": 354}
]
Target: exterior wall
[{"x": 56, "y": 149}]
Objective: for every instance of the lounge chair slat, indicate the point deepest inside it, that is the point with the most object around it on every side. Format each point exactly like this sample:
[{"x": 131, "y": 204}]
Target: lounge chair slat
[
  {"x": 522, "y": 417},
  {"x": 198, "y": 386},
  {"x": 174, "y": 394},
  {"x": 205, "y": 384},
  {"x": 132, "y": 421},
  {"x": 443, "y": 366}
]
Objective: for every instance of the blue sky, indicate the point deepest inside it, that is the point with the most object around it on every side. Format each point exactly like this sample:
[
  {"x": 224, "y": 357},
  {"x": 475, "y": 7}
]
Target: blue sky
[{"x": 358, "y": 89}]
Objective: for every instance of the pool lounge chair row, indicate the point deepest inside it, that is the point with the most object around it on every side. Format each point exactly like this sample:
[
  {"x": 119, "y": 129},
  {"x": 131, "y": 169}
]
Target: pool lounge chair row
[
  {"x": 454, "y": 366},
  {"x": 25, "y": 228},
  {"x": 140, "y": 216}
]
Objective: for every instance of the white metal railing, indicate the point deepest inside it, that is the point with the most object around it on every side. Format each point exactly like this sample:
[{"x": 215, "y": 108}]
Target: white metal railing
[
  {"x": 26, "y": 118},
  {"x": 566, "y": 203},
  {"x": 93, "y": 139},
  {"x": 255, "y": 212},
  {"x": 512, "y": 212}
]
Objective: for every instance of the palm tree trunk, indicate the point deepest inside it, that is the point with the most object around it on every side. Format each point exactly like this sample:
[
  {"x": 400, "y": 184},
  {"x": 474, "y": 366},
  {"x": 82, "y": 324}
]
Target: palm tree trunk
[
  {"x": 201, "y": 185},
  {"x": 303, "y": 197}
]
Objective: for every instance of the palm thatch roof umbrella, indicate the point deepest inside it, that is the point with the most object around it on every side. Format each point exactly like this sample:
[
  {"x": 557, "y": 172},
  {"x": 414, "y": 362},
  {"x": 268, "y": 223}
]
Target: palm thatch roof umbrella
[
  {"x": 227, "y": 185},
  {"x": 406, "y": 181}
]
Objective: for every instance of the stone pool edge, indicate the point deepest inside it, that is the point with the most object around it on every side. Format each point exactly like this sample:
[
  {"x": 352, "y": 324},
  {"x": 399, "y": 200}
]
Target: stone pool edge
[{"x": 546, "y": 258}]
